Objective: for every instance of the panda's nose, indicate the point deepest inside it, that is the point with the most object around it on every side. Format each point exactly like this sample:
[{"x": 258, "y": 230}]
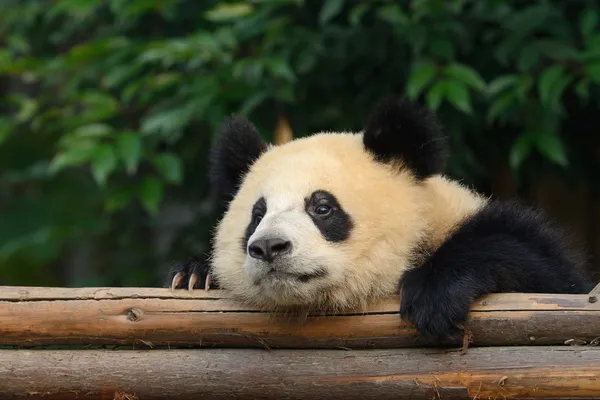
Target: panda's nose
[{"x": 269, "y": 249}]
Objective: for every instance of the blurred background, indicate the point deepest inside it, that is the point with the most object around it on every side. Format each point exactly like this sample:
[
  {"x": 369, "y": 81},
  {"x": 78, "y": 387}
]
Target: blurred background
[{"x": 108, "y": 108}]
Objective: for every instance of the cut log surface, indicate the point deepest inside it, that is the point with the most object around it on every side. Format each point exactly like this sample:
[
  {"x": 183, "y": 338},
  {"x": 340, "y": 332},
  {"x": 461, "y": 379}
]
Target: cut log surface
[
  {"x": 484, "y": 373},
  {"x": 157, "y": 317}
]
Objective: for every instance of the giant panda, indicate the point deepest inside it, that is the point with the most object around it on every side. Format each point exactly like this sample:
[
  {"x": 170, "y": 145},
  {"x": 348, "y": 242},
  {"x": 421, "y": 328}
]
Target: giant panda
[{"x": 338, "y": 220}]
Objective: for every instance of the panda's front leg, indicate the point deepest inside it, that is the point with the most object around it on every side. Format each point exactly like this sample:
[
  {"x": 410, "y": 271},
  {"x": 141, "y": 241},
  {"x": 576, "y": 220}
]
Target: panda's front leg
[
  {"x": 193, "y": 273},
  {"x": 503, "y": 248}
]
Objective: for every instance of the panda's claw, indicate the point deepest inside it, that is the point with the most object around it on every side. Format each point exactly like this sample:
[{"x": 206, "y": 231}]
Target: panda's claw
[
  {"x": 192, "y": 282},
  {"x": 207, "y": 281},
  {"x": 176, "y": 281},
  {"x": 191, "y": 274}
]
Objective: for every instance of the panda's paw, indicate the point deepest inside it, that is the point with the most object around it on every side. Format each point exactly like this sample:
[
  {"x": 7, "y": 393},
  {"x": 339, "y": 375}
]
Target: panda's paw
[
  {"x": 193, "y": 273},
  {"x": 436, "y": 309}
]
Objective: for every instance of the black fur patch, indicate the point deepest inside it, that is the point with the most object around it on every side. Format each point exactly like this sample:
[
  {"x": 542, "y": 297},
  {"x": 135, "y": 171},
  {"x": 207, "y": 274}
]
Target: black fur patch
[
  {"x": 400, "y": 130},
  {"x": 336, "y": 225},
  {"x": 258, "y": 211},
  {"x": 236, "y": 148},
  {"x": 503, "y": 248}
]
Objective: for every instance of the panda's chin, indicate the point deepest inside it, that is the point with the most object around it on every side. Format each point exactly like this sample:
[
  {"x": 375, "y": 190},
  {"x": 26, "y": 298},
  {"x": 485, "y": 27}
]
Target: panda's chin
[{"x": 286, "y": 283}]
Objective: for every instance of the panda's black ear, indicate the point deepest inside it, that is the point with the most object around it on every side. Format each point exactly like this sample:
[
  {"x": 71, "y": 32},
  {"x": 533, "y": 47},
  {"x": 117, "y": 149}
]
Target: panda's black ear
[
  {"x": 236, "y": 148},
  {"x": 398, "y": 130}
]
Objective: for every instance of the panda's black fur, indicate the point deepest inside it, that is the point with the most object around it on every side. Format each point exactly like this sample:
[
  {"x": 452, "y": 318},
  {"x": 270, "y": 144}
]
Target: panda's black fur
[
  {"x": 503, "y": 247},
  {"x": 425, "y": 150}
]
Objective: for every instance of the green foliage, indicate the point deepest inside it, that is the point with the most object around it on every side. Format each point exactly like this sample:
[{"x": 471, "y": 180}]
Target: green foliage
[{"x": 109, "y": 107}]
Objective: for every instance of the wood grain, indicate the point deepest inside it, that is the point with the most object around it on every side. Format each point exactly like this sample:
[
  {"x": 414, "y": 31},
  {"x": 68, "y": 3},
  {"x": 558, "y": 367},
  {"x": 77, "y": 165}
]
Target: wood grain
[
  {"x": 158, "y": 318},
  {"x": 484, "y": 373}
]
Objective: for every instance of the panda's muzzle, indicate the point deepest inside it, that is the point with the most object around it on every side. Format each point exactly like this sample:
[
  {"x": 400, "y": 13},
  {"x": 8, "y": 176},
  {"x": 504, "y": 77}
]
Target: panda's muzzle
[{"x": 269, "y": 249}]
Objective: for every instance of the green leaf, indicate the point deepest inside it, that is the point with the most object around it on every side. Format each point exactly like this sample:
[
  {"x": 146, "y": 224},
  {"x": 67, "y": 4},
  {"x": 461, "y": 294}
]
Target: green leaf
[
  {"x": 18, "y": 43},
  {"x": 500, "y": 105},
  {"x": 589, "y": 20},
  {"x": 228, "y": 11},
  {"x": 100, "y": 100},
  {"x": 520, "y": 149},
  {"x": 166, "y": 122},
  {"x": 27, "y": 110},
  {"x": 99, "y": 105},
  {"x": 150, "y": 194},
  {"x": 330, "y": 9},
  {"x": 104, "y": 162},
  {"x": 435, "y": 94},
  {"x": 129, "y": 148},
  {"x": 593, "y": 71},
  {"x": 465, "y": 74},
  {"x": 551, "y": 145},
  {"x": 556, "y": 91},
  {"x": 93, "y": 130},
  {"x": 71, "y": 157},
  {"x": 170, "y": 167},
  {"x": 547, "y": 79},
  {"x": 421, "y": 76},
  {"x": 118, "y": 75},
  {"x": 501, "y": 83},
  {"x": 280, "y": 68},
  {"x": 458, "y": 95}
]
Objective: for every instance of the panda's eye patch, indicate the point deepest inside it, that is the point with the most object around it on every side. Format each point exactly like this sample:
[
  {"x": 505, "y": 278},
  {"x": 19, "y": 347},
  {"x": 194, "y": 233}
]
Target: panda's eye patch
[
  {"x": 328, "y": 216},
  {"x": 258, "y": 212}
]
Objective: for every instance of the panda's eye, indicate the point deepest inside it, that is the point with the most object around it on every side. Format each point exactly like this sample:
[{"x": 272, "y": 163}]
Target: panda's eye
[
  {"x": 257, "y": 219},
  {"x": 323, "y": 209}
]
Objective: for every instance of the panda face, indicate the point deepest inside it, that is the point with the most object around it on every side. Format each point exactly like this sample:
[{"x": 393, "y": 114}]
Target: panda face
[
  {"x": 318, "y": 222},
  {"x": 332, "y": 220},
  {"x": 290, "y": 239}
]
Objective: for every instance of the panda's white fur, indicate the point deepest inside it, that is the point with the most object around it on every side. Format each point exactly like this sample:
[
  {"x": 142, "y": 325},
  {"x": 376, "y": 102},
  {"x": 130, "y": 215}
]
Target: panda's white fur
[{"x": 393, "y": 215}]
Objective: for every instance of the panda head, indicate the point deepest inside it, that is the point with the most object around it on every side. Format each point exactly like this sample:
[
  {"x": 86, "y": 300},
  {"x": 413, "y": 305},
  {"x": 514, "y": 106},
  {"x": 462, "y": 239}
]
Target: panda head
[{"x": 326, "y": 221}]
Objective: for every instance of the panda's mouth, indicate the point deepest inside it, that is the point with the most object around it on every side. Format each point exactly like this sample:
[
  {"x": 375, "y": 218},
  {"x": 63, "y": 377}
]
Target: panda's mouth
[{"x": 300, "y": 277}]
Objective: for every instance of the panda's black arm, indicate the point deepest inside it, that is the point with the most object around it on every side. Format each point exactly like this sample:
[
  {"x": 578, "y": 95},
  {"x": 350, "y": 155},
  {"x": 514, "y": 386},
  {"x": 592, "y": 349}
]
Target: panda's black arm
[
  {"x": 503, "y": 248},
  {"x": 193, "y": 273}
]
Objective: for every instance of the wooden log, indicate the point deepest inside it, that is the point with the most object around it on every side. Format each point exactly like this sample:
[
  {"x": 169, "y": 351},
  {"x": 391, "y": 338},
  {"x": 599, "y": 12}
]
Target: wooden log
[
  {"x": 484, "y": 373},
  {"x": 157, "y": 318}
]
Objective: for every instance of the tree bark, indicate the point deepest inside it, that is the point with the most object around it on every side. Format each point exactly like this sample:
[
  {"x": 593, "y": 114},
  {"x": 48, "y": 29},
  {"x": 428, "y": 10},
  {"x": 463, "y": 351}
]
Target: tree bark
[
  {"x": 484, "y": 373},
  {"x": 158, "y": 318}
]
